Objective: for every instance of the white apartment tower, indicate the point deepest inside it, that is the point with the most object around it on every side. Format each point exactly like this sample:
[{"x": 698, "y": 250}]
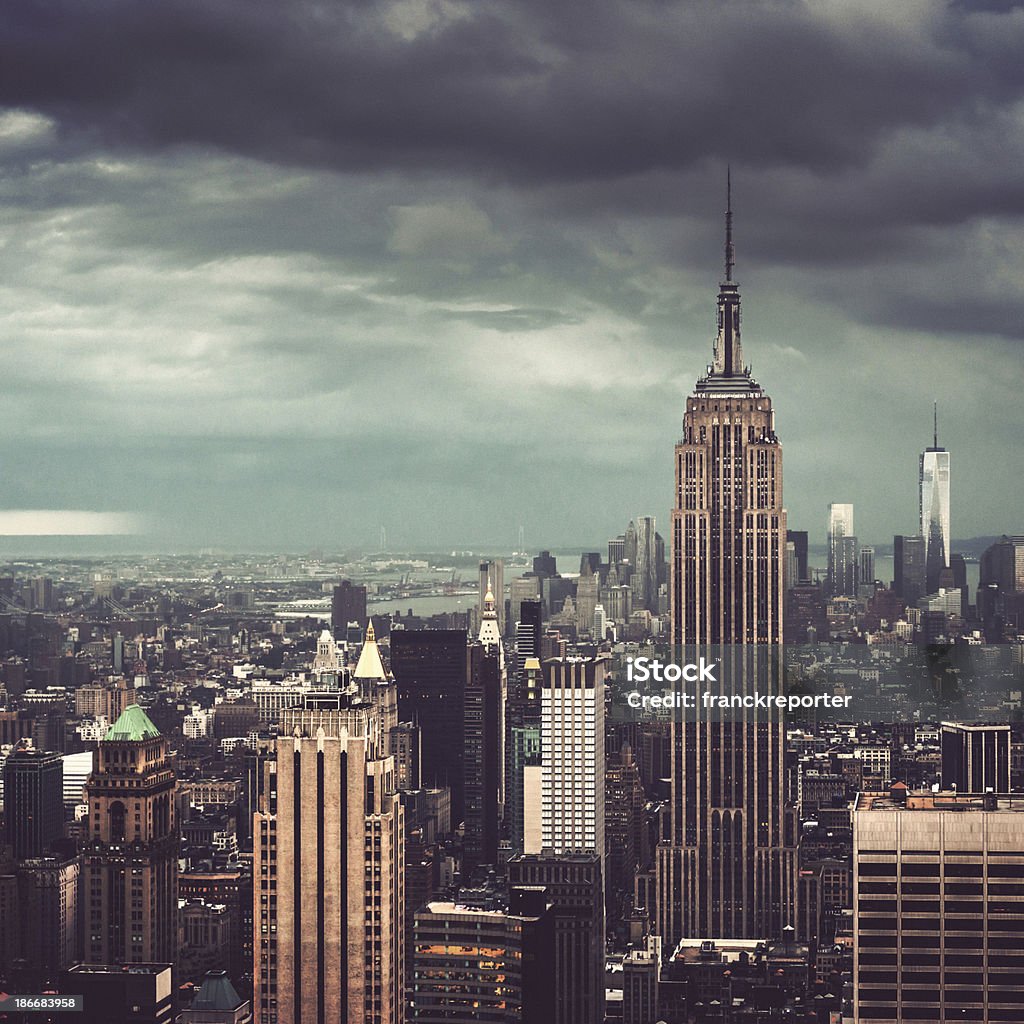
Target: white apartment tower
[{"x": 572, "y": 756}]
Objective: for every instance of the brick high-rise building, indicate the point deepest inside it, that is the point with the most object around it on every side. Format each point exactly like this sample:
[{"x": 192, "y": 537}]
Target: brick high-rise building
[
  {"x": 727, "y": 860},
  {"x": 328, "y": 920},
  {"x": 130, "y": 859}
]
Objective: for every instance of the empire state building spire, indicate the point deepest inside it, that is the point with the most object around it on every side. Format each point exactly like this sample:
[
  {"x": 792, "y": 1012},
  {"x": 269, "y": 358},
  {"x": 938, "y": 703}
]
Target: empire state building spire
[
  {"x": 730, "y": 254},
  {"x": 728, "y": 352}
]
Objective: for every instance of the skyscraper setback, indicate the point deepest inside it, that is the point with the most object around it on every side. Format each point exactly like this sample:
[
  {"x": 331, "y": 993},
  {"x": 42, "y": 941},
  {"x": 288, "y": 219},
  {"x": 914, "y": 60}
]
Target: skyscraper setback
[{"x": 726, "y": 867}]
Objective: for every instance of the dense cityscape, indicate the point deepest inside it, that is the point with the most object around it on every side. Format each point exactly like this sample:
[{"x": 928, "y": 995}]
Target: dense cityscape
[{"x": 395, "y": 787}]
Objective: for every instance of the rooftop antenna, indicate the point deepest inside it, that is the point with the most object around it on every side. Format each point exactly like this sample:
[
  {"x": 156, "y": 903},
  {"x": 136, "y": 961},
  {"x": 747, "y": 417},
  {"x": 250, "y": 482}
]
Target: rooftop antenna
[
  {"x": 935, "y": 428},
  {"x": 730, "y": 255}
]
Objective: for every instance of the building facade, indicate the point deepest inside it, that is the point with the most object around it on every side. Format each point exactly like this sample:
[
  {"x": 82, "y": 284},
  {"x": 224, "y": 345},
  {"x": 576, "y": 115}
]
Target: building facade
[
  {"x": 484, "y": 966},
  {"x": 938, "y": 907}
]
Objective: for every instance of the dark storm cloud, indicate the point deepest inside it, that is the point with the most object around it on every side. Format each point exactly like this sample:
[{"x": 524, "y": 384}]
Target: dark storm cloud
[{"x": 525, "y": 90}]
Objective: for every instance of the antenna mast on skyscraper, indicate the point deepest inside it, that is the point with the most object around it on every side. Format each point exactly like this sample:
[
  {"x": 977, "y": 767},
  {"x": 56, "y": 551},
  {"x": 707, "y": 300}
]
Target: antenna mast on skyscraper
[
  {"x": 935, "y": 426},
  {"x": 730, "y": 256}
]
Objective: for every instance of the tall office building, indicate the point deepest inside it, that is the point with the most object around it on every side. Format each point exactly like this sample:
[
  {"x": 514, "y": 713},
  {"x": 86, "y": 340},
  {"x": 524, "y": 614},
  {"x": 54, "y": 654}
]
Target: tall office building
[
  {"x": 616, "y": 549},
  {"x": 529, "y": 627},
  {"x": 842, "y": 551},
  {"x": 726, "y": 867},
  {"x": 49, "y": 908},
  {"x": 41, "y": 594},
  {"x": 1001, "y": 588},
  {"x": 524, "y": 764},
  {"x": 108, "y": 698},
  {"x": 492, "y": 578},
  {"x": 574, "y": 887},
  {"x": 33, "y": 801},
  {"x": 328, "y": 865},
  {"x": 429, "y": 666},
  {"x": 933, "y": 480},
  {"x": 572, "y": 755},
  {"x": 625, "y": 826},
  {"x": 130, "y": 858},
  {"x": 866, "y": 575},
  {"x": 799, "y": 541},
  {"x": 975, "y": 758},
  {"x": 909, "y": 574},
  {"x": 348, "y": 604},
  {"x": 642, "y": 541},
  {"x": 545, "y": 564},
  {"x": 484, "y": 732},
  {"x": 587, "y": 588},
  {"x": 523, "y": 590},
  {"x": 938, "y": 907}
]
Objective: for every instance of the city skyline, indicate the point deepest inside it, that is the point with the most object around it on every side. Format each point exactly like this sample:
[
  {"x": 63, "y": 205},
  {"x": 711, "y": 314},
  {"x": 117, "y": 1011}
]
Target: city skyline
[{"x": 338, "y": 297}]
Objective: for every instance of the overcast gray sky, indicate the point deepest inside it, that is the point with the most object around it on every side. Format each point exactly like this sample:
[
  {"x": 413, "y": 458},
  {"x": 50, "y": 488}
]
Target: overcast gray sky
[{"x": 274, "y": 274}]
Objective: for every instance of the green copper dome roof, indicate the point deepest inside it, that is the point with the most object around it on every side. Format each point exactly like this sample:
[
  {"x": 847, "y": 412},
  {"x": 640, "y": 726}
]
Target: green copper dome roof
[
  {"x": 133, "y": 724},
  {"x": 216, "y": 993}
]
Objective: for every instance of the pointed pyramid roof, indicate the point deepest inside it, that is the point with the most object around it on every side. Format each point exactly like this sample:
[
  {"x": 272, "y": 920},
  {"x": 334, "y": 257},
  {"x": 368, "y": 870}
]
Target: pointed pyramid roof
[
  {"x": 216, "y": 993},
  {"x": 489, "y": 631},
  {"x": 369, "y": 665},
  {"x": 132, "y": 724}
]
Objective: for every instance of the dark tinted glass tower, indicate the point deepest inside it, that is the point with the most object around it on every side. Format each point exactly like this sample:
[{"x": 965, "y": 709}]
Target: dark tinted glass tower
[
  {"x": 429, "y": 666},
  {"x": 726, "y": 866},
  {"x": 799, "y": 539},
  {"x": 575, "y": 890},
  {"x": 909, "y": 573},
  {"x": 348, "y": 604},
  {"x": 484, "y": 725},
  {"x": 33, "y": 801},
  {"x": 975, "y": 758}
]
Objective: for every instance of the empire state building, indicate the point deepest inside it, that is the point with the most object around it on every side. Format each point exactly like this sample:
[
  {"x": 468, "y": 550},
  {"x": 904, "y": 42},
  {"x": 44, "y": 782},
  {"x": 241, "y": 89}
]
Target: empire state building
[{"x": 727, "y": 859}]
